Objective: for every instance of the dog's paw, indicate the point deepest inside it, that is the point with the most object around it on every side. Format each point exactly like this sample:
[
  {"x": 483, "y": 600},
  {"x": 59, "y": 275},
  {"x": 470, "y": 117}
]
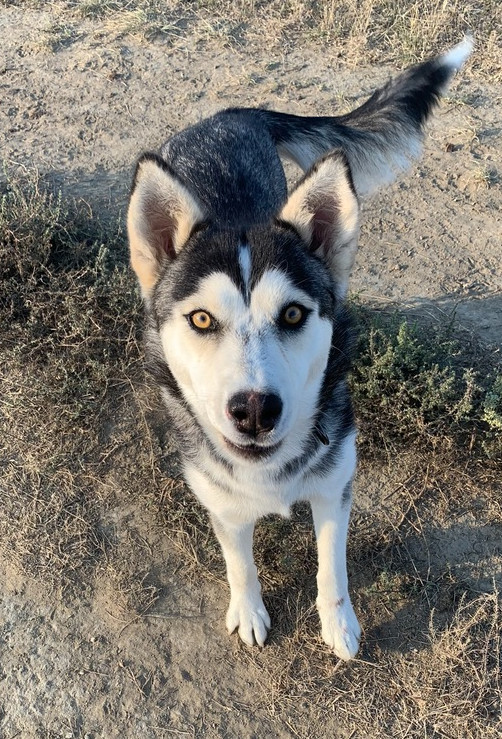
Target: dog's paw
[
  {"x": 248, "y": 614},
  {"x": 340, "y": 628}
]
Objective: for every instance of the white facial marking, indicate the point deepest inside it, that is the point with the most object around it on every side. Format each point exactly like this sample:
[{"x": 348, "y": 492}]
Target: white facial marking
[{"x": 245, "y": 265}]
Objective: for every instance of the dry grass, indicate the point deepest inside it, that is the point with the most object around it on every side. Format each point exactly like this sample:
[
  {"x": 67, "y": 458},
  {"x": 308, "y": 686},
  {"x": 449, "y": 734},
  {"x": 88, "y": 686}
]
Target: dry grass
[
  {"x": 431, "y": 659},
  {"x": 449, "y": 687},
  {"x": 83, "y": 443},
  {"x": 65, "y": 346},
  {"x": 372, "y": 31}
]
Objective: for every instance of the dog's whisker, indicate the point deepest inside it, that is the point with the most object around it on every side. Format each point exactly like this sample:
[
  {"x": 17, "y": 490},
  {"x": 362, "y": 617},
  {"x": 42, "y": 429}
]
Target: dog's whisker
[{"x": 319, "y": 434}]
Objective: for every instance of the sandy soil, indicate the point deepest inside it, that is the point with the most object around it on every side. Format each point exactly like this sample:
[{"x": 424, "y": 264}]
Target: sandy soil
[{"x": 81, "y": 114}]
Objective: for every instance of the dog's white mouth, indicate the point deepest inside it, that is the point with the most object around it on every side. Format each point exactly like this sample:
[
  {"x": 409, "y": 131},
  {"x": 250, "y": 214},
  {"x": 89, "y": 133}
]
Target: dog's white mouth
[{"x": 251, "y": 451}]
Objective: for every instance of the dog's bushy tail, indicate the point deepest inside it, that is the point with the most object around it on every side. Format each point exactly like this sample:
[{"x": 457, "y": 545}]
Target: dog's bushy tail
[{"x": 382, "y": 136}]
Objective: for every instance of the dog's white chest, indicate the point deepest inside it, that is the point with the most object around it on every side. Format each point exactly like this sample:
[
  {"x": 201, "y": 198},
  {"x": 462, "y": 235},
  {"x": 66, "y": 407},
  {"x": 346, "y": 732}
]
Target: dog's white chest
[{"x": 242, "y": 496}]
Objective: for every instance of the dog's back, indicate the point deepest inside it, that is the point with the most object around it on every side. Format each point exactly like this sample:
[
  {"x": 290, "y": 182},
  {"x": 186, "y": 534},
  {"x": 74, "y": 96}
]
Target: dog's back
[{"x": 230, "y": 162}]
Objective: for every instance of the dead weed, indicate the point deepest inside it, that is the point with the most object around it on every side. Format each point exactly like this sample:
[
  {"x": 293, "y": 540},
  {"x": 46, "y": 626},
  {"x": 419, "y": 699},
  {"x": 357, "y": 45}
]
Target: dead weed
[{"x": 372, "y": 31}]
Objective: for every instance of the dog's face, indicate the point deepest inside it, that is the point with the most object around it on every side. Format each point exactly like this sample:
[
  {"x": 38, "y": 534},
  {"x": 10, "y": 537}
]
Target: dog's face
[
  {"x": 245, "y": 320},
  {"x": 246, "y": 343}
]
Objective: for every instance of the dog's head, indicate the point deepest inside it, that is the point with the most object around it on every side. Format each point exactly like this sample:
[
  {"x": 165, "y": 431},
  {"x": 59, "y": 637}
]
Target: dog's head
[{"x": 245, "y": 320}]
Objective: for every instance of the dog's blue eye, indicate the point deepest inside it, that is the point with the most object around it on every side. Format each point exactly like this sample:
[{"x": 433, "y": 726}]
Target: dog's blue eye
[
  {"x": 201, "y": 320},
  {"x": 293, "y": 316}
]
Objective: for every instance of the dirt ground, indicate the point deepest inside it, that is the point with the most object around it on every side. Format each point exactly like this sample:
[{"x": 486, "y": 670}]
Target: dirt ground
[{"x": 77, "y": 664}]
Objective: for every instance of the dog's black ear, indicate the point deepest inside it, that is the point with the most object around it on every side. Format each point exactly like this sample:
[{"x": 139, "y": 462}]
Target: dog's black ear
[
  {"x": 324, "y": 210},
  {"x": 162, "y": 214}
]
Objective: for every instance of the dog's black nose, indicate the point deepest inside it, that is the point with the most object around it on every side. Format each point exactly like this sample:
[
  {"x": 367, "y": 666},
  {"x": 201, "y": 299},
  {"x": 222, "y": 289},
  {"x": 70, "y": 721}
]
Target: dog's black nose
[{"x": 254, "y": 413}]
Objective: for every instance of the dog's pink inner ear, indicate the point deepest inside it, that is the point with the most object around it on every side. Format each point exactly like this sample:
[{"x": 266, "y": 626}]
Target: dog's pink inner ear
[
  {"x": 325, "y": 213},
  {"x": 162, "y": 214},
  {"x": 324, "y": 210},
  {"x": 162, "y": 226}
]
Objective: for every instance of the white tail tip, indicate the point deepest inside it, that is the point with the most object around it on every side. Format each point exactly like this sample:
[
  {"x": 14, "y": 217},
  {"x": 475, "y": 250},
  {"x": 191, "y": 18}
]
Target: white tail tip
[{"x": 458, "y": 55}]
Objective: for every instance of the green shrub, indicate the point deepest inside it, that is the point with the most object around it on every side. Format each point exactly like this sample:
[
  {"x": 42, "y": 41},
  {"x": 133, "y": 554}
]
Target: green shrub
[
  {"x": 410, "y": 379},
  {"x": 68, "y": 301}
]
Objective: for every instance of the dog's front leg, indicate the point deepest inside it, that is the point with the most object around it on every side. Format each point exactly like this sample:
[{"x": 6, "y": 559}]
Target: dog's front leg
[
  {"x": 340, "y": 629},
  {"x": 246, "y": 611}
]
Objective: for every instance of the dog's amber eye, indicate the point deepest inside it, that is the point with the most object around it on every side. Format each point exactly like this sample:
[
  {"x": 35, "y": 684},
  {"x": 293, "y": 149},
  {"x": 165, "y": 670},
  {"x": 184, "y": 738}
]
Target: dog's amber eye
[
  {"x": 292, "y": 315},
  {"x": 202, "y": 320}
]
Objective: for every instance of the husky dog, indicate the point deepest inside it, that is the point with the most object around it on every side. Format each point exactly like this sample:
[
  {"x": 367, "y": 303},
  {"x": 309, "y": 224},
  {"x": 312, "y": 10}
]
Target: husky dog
[{"x": 247, "y": 334}]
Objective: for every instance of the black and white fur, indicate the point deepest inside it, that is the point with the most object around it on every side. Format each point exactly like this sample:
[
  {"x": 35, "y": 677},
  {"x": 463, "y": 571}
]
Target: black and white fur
[{"x": 247, "y": 334}]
